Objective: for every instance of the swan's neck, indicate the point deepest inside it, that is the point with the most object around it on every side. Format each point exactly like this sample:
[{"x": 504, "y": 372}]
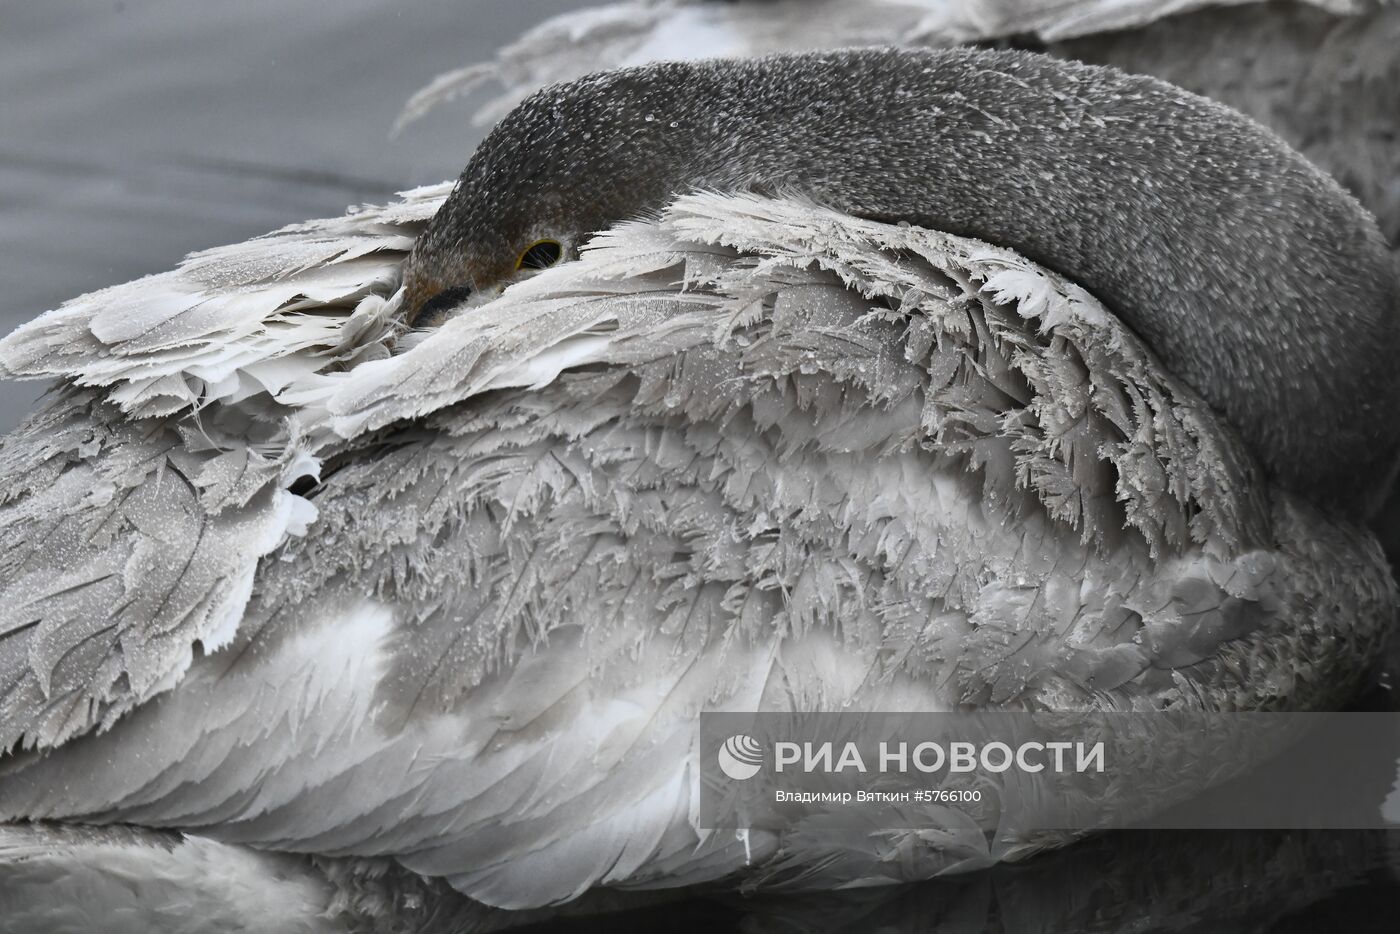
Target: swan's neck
[{"x": 1252, "y": 275}]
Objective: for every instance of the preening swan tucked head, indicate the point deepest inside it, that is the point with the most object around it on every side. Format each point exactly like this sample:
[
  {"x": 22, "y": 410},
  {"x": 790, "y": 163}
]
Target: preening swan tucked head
[{"x": 1252, "y": 274}]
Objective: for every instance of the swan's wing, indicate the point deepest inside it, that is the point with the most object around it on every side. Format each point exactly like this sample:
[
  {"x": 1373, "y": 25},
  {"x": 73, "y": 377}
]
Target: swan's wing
[
  {"x": 68, "y": 880},
  {"x": 754, "y": 454},
  {"x": 76, "y": 879},
  {"x": 634, "y": 32},
  {"x": 1058, "y": 358},
  {"x": 235, "y": 321},
  {"x": 128, "y": 546},
  {"x": 136, "y": 504}
]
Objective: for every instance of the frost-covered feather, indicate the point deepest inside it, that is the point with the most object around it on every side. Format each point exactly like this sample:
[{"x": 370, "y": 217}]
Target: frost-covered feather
[
  {"x": 58, "y": 879},
  {"x": 232, "y": 321},
  {"x": 123, "y": 555},
  {"x": 750, "y": 454}
]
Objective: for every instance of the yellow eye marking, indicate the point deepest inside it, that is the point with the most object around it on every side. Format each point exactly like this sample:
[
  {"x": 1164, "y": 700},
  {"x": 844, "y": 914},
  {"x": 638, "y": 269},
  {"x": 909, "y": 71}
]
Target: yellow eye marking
[{"x": 540, "y": 255}]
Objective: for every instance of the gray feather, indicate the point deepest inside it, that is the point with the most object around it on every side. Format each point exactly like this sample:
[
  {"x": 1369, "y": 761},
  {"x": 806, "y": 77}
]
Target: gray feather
[{"x": 752, "y": 453}]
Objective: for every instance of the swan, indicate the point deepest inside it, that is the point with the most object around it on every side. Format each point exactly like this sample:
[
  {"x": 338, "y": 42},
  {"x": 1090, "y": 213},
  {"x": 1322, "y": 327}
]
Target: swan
[{"x": 416, "y": 540}]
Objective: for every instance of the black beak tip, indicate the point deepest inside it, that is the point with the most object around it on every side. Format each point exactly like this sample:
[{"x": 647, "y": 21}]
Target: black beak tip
[{"x": 435, "y": 309}]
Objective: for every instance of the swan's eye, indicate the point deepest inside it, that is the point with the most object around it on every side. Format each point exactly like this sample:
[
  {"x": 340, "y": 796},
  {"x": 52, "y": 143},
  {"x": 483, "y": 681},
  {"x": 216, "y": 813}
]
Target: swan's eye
[{"x": 540, "y": 255}]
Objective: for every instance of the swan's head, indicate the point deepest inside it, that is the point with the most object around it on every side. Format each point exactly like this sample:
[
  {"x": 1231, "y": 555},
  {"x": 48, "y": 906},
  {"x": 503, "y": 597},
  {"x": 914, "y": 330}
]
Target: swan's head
[{"x": 572, "y": 160}]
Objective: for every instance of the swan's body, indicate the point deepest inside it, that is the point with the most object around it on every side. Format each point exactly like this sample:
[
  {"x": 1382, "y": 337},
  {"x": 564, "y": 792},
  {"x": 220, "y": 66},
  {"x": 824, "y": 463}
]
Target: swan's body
[
  {"x": 883, "y": 467},
  {"x": 498, "y": 587}
]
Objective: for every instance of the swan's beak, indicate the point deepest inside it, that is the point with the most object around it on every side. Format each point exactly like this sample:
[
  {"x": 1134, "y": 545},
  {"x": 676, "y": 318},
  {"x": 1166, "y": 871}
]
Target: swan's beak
[
  {"x": 432, "y": 288},
  {"x": 426, "y": 305}
]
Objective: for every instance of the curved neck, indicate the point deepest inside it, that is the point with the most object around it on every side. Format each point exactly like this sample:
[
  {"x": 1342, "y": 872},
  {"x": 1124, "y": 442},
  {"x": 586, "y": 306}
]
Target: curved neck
[{"x": 1250, "y": 273}]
